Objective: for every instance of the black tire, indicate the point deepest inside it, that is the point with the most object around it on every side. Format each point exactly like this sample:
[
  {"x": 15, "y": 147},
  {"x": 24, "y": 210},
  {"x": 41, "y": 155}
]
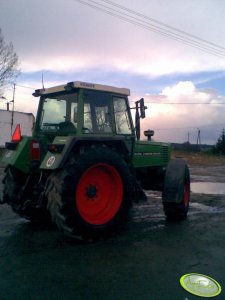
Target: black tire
[
  {"x": 12, "y": 184},
  {"x": 176, "y": 191},
  {"x": 14, "y": 181},
  {"x": 77, "y": 193}
]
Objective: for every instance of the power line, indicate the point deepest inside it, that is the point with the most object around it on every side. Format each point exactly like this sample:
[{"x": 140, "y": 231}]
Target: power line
[
  {"x": 178, "y": 35},
  {"x": 163, "y": 24},
  {"x": 180, "y": 103},
  {"x": 26, "y": 87},
  {"x": 190, "y": 127}
]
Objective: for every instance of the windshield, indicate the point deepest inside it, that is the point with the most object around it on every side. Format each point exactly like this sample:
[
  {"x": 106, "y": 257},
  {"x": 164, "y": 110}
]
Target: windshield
[
  {"x": 59, "y": 113},
  {"x": 97, "y": 118}
]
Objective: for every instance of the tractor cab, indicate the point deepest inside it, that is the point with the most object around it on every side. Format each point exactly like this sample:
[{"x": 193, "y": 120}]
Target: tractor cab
[{"x": 83, "y": 109}]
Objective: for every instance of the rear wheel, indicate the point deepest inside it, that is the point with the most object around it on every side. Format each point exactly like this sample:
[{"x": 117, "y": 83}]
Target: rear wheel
[
  {"x": 176, "y": 192},
  {"x": 91, "y": 198},
  {"x": 12, "y": 182},
  {"x": 24, "y": 204},
  {"x": 99, "y": 194}
]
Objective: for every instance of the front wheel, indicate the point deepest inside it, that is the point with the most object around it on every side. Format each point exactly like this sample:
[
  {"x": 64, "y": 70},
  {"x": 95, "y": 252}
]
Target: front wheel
[
  {"x": 91, "y": 197},
  {"x": 176, "y": 191}
]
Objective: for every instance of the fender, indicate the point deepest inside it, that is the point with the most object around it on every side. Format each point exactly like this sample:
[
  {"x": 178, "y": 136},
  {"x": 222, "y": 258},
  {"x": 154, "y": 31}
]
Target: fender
[
  {"x": 18, "y": 154},
  {"x": 62, "y": 146}
]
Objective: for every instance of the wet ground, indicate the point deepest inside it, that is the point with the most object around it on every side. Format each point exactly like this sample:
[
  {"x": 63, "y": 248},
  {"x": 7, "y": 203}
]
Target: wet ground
[{"x": 145, "y": 260}]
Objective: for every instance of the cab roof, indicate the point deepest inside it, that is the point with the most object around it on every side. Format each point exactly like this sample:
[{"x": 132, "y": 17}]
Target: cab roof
[{"x": 84, "y": 85}]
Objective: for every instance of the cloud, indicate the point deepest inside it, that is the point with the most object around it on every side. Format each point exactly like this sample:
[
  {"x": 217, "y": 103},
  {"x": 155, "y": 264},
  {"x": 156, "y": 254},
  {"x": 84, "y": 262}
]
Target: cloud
[
  {"x": 63, "y": 36},
  {"x": 172, "y": 122},
  {"x": 68, "y": 41},
  {"x": 180, "y": 90}
]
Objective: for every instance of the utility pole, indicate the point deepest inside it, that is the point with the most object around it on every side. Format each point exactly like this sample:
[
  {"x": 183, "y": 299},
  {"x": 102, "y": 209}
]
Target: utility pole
[
  {"x": 13, "y": 102},
  {"x": 9, "y": 102},
  {"x": 187, "y": 144},
  {"x": 199, "y": 140}
]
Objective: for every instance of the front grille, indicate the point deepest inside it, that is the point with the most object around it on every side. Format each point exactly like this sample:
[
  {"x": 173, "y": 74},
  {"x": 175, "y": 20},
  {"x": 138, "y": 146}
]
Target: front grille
[{"x": 165, "y": 154}]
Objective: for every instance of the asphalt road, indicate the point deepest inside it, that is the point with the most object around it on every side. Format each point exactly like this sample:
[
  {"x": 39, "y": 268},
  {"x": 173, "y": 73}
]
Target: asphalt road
[{"x": 145, "y": 260}]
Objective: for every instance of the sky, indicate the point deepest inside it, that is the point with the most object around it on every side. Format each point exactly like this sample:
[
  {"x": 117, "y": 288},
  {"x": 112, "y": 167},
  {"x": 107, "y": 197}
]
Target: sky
[{"x": 182, "y": 84}]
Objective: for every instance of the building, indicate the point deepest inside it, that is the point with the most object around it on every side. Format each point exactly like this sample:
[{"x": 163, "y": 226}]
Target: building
[{"x": 8, "y": 122}]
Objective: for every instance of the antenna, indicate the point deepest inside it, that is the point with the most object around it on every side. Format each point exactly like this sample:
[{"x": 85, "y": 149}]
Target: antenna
[{"x": 42, "y": 80}]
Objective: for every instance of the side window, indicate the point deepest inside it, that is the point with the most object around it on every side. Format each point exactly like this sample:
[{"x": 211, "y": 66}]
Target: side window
[
  {"x": 74, "y": 116},
  {"x": 121, "y": 116}
]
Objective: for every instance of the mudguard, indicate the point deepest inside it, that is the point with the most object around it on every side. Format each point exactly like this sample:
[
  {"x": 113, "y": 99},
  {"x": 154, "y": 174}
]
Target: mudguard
[
  {"x": 18, "y": 155},
  {"x": 54, "y": 158},
  {"x": 62, "y": 146}
]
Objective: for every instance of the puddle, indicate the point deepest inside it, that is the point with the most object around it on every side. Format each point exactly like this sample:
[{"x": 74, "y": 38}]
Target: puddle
[
  {"x": 214, "y": 188},
  {"x": 199, "y": 207}
]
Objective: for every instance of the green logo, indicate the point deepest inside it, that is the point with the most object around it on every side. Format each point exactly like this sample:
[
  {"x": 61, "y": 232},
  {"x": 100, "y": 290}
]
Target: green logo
[{"x": 200, "y": 285}]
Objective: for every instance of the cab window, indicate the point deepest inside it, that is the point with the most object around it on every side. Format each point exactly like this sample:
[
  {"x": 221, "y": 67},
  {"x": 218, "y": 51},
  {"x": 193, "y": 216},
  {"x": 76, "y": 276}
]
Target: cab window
[{"x": 121, "y": 116}]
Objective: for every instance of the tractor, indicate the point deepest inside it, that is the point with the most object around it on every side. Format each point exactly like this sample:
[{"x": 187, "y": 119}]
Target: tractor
[{"x": 85, "y": 163}]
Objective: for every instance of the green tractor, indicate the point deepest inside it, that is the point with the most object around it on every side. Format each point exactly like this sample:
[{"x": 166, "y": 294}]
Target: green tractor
[{"x": 85, "y": 163}]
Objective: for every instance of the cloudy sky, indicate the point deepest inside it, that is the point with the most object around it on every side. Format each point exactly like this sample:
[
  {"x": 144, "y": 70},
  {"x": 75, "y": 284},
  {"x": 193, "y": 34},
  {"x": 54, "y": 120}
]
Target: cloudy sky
[{"x": 157, "y": 48}]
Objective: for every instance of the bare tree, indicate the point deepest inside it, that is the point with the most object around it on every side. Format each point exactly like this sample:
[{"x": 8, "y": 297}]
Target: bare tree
[{"x": 8, "y": 63}]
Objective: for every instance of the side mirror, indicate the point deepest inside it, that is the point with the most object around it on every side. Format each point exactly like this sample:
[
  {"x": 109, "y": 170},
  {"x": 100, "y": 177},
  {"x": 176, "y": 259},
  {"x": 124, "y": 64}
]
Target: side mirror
[
  {"x": 139, "y": 105},
  {"x": 142, "y": 108}
]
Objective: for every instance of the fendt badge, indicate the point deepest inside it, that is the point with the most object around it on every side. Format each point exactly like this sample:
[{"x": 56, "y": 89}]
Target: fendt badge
[{"x": 50, "y": 161}]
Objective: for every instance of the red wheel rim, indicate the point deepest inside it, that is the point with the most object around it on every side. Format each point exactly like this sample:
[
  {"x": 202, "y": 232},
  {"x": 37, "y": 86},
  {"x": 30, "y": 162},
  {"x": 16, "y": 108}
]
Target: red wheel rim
[
  {"x": 99, "y": 194},
  {"x": 186, "y": 193}
]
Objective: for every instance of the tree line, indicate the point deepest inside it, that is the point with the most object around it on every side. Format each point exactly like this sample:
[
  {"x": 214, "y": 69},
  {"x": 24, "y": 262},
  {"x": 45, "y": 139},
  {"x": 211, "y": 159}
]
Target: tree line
[{"x": 219, "y": 148}]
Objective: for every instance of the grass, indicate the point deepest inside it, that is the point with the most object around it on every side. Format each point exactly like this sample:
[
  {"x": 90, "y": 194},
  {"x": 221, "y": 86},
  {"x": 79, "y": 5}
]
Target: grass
[
  {"x": 199, "y": 158},
  {"x": 192, "y": 158},
  {"x": 1, "y": 151}
]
